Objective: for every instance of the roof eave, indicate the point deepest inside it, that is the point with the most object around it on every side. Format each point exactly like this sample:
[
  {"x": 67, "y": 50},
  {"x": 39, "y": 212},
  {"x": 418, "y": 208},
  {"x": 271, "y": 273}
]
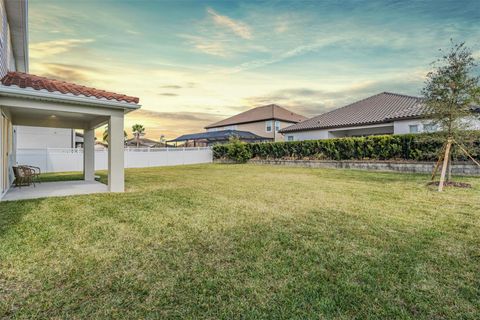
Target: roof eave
[
  {"x": 17, "y": 15},
  {"x": 50, "y": 96},
  {"x": 337, "y": 127}
]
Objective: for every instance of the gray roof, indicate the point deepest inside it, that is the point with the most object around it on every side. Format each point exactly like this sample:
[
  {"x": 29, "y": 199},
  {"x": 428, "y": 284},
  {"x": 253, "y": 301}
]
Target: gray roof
[
  {"x": 271, "y": 111},
  {"x": 220, "y": 135},
  {"x": 380, "y": 108}
]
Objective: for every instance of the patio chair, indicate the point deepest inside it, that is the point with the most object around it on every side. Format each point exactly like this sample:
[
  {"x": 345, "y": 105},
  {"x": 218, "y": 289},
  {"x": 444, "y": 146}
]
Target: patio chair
[
  {"x": 35, "y": 171},
  {"x": 23, "y": 176}
]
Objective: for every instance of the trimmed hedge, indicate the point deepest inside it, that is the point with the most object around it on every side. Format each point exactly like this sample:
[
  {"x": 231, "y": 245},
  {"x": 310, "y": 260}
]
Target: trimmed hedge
[{"x": 417, "y": 147}]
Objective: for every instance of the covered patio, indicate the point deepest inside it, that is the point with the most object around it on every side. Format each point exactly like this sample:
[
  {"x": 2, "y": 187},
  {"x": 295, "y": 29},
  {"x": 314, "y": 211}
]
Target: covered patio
[
  {"x": 212, "y": 137},
  {"x": 55, "y": 189},
  {"x": 30, "y": 100}
]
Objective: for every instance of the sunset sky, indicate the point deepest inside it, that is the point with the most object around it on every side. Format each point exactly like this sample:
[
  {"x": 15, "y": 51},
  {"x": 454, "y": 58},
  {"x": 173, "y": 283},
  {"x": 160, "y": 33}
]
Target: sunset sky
[{"x": 196, "y": 62}]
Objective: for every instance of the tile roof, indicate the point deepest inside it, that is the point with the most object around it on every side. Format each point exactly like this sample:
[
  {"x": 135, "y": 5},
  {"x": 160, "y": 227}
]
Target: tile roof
[
  {"x": 271, "y": 111},
  {"x": 380, "y": 108},
  {"x": 142, "y": 142},
  {"x": 25, "y": 80}
]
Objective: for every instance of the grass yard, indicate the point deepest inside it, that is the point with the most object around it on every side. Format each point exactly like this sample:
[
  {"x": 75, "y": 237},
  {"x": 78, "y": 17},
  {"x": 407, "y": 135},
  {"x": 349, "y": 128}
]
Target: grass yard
[{"x": 244, "y": 241}]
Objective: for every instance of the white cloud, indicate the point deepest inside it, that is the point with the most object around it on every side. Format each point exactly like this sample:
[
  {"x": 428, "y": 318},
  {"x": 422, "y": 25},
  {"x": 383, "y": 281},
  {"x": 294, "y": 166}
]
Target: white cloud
[
  {"x": 281, "y": 26},
  {"x": 54, "y": 47},
  {"x": 275, "y": 59},
  {"x": 239, "y": 28}
]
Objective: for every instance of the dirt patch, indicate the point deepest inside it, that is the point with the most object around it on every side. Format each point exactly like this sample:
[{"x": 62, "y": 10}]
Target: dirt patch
[{"x": 450, "y": 184}]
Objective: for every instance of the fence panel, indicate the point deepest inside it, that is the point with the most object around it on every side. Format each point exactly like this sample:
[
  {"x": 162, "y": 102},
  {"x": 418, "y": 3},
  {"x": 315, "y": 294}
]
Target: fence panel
[{"x": 61, "y": 160}]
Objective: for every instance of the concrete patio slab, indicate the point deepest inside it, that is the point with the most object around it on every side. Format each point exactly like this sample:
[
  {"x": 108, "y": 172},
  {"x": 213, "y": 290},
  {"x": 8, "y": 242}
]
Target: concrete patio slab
[{"x": 55, "y": 189}]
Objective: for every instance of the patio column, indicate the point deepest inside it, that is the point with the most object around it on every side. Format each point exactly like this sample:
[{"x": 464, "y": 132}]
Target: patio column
[
  {"x": 89, "y": 154},
  {"x": 116, "y": 176}
]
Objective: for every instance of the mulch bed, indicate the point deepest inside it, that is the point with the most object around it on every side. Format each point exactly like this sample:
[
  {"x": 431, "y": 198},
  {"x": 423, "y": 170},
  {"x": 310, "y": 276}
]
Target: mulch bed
[{"x": 451, "y": 184}]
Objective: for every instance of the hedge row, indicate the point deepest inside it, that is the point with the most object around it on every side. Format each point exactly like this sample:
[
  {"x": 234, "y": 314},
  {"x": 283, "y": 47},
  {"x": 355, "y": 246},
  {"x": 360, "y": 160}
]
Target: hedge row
[{"x": 418, "y": 147}]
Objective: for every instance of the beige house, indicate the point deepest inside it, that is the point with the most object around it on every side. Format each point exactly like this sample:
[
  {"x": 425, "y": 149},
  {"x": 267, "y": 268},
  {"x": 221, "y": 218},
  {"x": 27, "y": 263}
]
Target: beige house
[
  {"x": 264, "y": 121},
  {"x": 30, "y": 100}
]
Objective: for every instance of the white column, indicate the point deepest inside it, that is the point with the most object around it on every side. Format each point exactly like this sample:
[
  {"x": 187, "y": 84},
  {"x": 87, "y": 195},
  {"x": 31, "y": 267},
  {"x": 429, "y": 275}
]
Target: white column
[
  {"x": 89, "y": 154},
  {"x": 116, "y": 179}
]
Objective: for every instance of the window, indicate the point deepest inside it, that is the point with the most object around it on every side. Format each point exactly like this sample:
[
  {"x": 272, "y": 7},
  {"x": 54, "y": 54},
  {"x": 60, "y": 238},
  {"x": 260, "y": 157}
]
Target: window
[
  {"x": 430, "y": 127},
  {"x": 277, "y": 125},
  {"x": 413, "y": 128},
  {"x": 289, "y": 138},
  {"x": 268, "y": 126}
]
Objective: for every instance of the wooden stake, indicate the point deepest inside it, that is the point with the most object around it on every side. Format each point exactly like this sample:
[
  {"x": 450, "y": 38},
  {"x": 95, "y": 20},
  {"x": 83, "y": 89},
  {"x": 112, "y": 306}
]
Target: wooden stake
[
  {"x": 440, "y": 158},
  {"x": 445, "y": 164},
  {"x": 466, "y": 152}
]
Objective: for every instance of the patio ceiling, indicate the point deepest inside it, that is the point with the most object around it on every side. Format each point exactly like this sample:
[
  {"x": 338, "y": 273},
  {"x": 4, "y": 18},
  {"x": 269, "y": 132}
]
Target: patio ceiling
[{"x": 53, "y": 118}]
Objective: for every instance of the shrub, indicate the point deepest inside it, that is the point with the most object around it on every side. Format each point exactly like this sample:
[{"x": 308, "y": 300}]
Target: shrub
[
  {"x": 418, "y": 147},
  {"x": 238, "y": 151}
]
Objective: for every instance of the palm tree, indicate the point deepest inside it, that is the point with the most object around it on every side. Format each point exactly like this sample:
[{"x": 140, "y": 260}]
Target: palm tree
[
  {"x": 105, "y": 134},
  {"x": 138, "y": 130}
]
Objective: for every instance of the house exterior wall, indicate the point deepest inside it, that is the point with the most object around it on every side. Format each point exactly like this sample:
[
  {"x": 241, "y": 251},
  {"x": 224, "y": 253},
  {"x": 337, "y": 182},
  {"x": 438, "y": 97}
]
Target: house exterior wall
[
  {"x": 306, "y": 135},
  {"x": 7, "y": 61},
  {"x": 42, "y": 137},
  {"x": 258, "y": 128},
  {"x": 361, "y": 131},
  {"x": 339, "y": 132},
  {"x": 403, "y": 126},
  {"x": 7, "y": 138},
  {"x": 397, "y": 127}
]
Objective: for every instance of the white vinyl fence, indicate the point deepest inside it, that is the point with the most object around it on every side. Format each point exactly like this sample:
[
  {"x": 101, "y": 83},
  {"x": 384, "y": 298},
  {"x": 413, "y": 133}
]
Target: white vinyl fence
[{"x": 61, "y": 160}]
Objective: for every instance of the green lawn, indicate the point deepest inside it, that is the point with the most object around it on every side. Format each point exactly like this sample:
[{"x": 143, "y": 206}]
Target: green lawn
[{"x": 244, "y": 241}]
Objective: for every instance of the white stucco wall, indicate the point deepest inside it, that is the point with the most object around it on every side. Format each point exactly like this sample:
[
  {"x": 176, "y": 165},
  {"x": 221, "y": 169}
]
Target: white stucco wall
[
  {"x": 403, "y": 126},
  {"x": 307, "y": 135},
  {"x": 361, "y": 131},
  {"x": 40, "y": 137},
  {"x": 7, "y": 62},
  {"x": 340, "y": 132}
]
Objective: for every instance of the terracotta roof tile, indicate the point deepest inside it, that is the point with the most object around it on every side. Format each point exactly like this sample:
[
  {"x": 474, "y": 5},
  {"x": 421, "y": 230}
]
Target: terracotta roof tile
[
  {"x": 25, "y": 80},
  {"x": 271, "y": 111},
  {"x": 380, "y": 108}
]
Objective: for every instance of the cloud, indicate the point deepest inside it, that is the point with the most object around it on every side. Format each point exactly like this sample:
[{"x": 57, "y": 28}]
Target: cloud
[
  {"x": 66, "y": 72},
  {"x": 51, "y": 48},
  {"x": 281, "y": 26},
  {"x": 170, "y": 124},
  {"x": 312, "y": 101},
  {"x": 171, "y": 86},
  {"x": 211, "y": 47},
  {"x": 133, "y": 32},
  {"x": 297, "y": 51},
  {"x": 168, "y": 94},
  {"x": 239, "y": 28}
]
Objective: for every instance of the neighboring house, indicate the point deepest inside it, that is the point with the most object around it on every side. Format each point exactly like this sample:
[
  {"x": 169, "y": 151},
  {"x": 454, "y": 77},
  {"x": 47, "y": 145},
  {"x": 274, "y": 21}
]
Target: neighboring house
[
  {"x": 263, "y": 121},
  {"x": 143, "y": 143},
  {"x": 99, "y": 145},
  {"x": 384, "y": 113},
  {"x": 29, "y": 100}
]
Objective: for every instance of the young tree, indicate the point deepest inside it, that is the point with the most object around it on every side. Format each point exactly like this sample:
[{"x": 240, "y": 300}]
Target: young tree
[{"x": 450, "y": 91}]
